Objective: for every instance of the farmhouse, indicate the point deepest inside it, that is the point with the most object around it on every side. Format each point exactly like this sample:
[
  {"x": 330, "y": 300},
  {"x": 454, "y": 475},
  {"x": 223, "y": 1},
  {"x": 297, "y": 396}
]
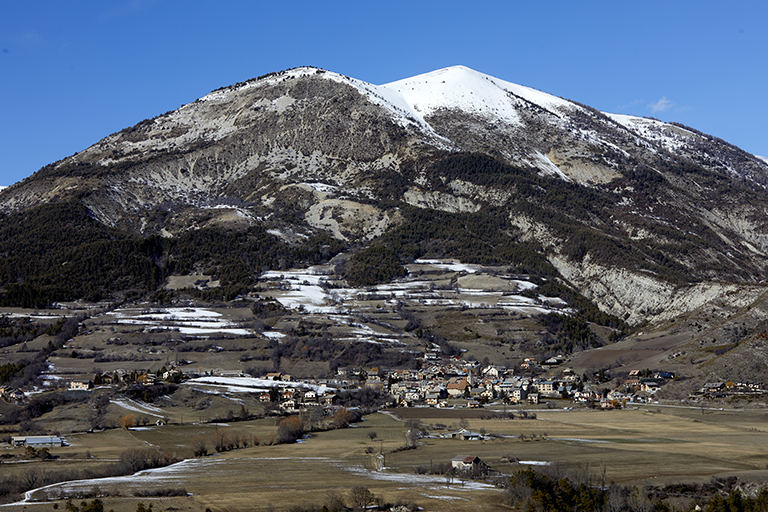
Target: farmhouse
[
  {"x": 79, "y": 386},
  {"x": 649, "y": 385},
  {"x": 14, "y": 396},
  {"x": 146, "y": 380},
  {"x": 463, "y": 434},
  {"x": 553, "y": 361},
  {"x": 491, "y": 371},
  {"x": 456, "y": 387},
  {"x": 469, "y": 464}
]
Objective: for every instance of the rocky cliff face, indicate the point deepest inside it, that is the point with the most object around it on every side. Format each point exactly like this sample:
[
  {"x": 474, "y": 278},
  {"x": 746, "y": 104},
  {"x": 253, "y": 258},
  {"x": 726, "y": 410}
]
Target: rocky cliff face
[{"x": 640, "y": 215}]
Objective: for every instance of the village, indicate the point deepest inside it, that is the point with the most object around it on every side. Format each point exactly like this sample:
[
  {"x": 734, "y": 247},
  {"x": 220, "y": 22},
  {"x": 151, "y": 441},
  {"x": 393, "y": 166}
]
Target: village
[{"x": 441, "y": 383}]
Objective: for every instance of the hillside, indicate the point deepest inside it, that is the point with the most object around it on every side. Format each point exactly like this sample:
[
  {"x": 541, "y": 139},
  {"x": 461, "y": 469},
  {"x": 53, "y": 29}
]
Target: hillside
[{"x": 646, "y": 219}]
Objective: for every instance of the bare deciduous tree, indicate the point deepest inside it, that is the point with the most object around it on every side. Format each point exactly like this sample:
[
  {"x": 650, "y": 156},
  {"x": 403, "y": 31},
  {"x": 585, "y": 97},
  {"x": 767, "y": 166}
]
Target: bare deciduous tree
[
  {"x": 199, "y": 446},
  {"x": 362, "y": 497},
  {"x": 220, "y": 440},
  {"x": 335, "y": 501}
]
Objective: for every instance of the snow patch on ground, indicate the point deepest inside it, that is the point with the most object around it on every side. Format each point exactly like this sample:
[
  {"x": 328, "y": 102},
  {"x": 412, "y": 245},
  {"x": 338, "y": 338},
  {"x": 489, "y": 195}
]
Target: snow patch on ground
[
  {"x": 140, "y": 407},
  {"x": 453, "y": 266},
  {"x": 312, "y": 291},
  {"x": 241, "y": 212},
  {"x": 193, "y": 321},
  {"x": 36, "y": 316},
  {"x": 672, "y": 138},
  {"x": 252, "y": 385},
  {"x": 445, "y": 498},
  {"x": 427, "y": 482},
  {"x": 580, "y": 440},
  {"x": 544, "y": 163},
  {"x": 169, "y": 476},
  {"x": 322, "y": 187}
]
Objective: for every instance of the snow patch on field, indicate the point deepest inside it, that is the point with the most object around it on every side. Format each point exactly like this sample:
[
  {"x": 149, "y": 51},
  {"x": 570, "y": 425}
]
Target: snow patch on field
[
  {"x": 580, "y": 440},
  {"x": 453, "y": 266},
  {"x": 430, "y": 482},
  {"x": 169, "y": 476},
  {"x": 140, "y": 407},
  {"x": 252, "y": 385},
  {"x": 313, "y": 291},
  {"x": 192, "y": 321}
]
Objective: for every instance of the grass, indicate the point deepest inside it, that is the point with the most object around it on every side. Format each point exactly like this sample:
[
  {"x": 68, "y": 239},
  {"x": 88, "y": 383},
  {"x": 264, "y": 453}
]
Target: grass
[{"x": 634, "y": 446}]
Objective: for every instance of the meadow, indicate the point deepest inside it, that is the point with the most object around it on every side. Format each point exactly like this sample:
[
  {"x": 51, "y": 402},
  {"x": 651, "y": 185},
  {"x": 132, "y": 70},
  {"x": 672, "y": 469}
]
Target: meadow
[{"x": 656, "y": 446}]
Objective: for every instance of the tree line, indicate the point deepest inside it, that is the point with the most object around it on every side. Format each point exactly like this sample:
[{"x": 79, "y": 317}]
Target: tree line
[{"x": 554, "y": 491}]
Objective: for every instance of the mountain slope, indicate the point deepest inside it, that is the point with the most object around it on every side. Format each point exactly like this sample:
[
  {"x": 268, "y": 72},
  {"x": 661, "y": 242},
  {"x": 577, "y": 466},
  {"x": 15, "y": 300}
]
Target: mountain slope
[{"x": 635, "y": 213}]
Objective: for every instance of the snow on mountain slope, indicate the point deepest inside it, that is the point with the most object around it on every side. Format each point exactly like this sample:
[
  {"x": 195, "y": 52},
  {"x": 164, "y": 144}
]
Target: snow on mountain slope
[
  {"x": 670, "y": 137},
  {"x": 402, "y": 111},
  {"x": 411, "y": 101},
  {"x": 704, "y": 149},
  {"x": 465, "y": 89},
  {"x": 273, "y": 122}
]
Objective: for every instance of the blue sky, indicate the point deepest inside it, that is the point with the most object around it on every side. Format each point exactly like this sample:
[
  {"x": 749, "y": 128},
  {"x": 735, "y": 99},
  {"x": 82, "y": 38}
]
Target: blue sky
[{"x": 71, "y": 73}]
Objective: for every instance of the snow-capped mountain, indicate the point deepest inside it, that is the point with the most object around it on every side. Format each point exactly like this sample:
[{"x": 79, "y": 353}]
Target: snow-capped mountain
[
  {"x": 461, "y": 88},
  {"x": 615, "y": 203}
]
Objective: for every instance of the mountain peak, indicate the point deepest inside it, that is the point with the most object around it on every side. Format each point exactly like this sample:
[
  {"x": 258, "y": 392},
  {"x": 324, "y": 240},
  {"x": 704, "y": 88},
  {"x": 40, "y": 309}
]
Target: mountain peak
[
  {"x": 456, "y": 87},
  {"x": 463, "y": 88}
]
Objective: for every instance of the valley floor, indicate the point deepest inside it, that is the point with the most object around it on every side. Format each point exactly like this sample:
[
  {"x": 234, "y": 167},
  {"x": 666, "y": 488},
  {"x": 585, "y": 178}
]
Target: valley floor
[{"x": 654, "y": 446}]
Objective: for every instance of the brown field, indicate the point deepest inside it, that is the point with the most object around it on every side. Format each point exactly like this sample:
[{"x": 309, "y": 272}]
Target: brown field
[{"x": 630, "y": 446}]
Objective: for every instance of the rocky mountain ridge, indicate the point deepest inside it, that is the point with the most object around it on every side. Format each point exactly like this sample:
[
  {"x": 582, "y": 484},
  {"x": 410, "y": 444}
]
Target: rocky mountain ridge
[{"x": 637, "y": 214}]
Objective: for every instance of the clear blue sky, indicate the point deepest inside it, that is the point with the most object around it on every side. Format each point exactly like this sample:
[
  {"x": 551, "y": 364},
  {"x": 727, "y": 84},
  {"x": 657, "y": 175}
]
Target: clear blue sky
[{"x": 71, "y": 73}]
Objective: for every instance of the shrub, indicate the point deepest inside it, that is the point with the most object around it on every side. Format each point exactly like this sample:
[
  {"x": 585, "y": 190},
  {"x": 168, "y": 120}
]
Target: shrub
[
  {"x": 127, "y": 421},
  {"x": 289, "y": 430}
]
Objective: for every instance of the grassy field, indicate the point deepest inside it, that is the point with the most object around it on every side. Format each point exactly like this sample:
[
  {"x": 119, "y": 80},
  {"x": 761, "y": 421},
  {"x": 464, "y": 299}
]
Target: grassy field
[{"x": 627, "y": 446}]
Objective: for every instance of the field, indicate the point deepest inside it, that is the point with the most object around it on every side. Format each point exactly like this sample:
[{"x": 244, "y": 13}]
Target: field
[
  {"x": 637, "y": 447},
  {"x": 322, "y": 331}
]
